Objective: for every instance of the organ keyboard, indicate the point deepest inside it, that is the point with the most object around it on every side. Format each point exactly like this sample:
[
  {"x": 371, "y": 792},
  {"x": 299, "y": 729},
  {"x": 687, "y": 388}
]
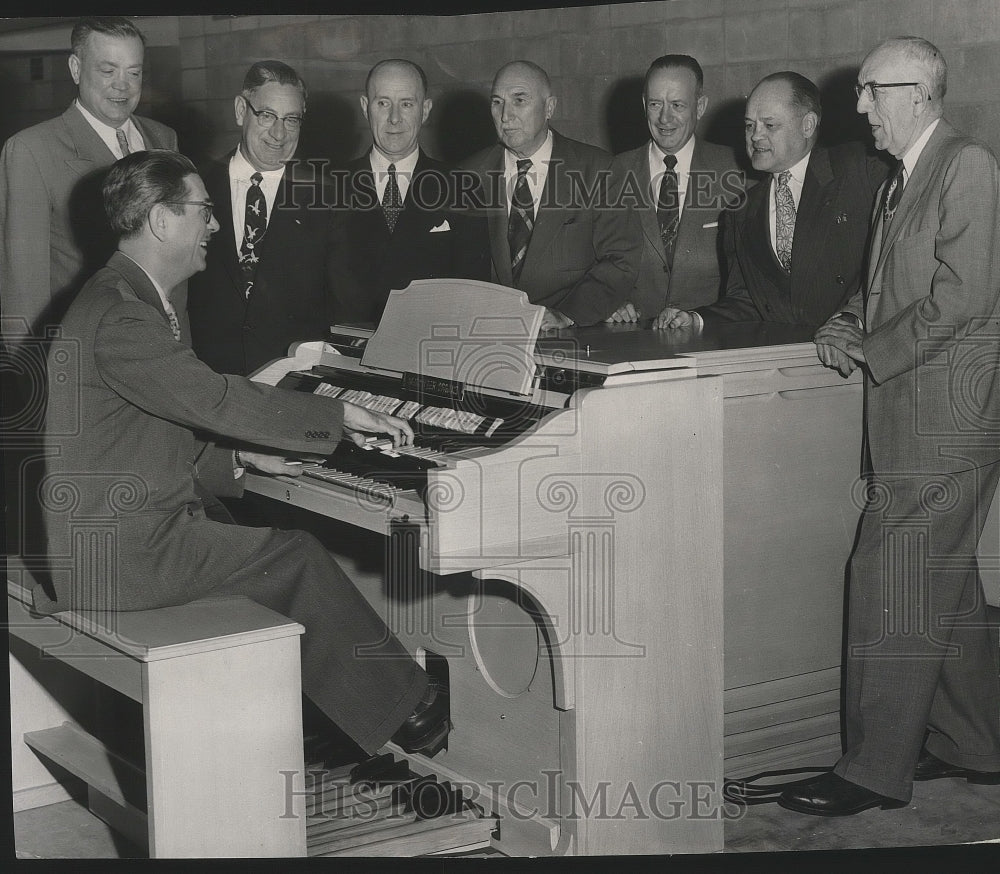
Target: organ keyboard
[{"x": 553, "y": 548}]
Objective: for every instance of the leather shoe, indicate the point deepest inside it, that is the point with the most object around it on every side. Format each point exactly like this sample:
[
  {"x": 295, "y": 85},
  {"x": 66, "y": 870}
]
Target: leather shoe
[
  {"x": 425, "y": 731},
  {"x": 930, "y": 767},
  {"x": 832, "y": 795}
]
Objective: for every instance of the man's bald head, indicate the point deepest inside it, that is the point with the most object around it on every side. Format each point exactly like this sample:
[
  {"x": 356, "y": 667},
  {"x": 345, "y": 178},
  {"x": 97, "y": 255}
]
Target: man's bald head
[
  {"x": 396, "y": 105},
  {"x": 522, "y": 104}
]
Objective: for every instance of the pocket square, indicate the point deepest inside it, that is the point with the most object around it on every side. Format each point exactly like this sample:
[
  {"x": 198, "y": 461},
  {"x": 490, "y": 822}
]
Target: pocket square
[
  {"x": 710, "y": 225},
  {"x": 441, "y": 228}
]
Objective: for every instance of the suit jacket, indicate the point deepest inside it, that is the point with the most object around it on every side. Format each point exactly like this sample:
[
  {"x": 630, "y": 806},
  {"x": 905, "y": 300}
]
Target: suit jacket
[
  {"x": 930, "y": 314},
  {"x": 435, "y": 238},
  {"x": 828, "y": 248},
  {"x": 52, "y": 224},
  {"x": 715, "y": 184},
  {"x": 126, "y": 462},
  {"x": 292, "y": 296},
  {"x": 584, "y": 253}
]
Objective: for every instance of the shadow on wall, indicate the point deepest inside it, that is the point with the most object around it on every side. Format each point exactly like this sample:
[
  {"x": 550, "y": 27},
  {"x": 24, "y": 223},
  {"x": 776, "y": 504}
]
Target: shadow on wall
[
  {"x": 331, "y": 129},
  {"x": 841, "y": 121},
  {"x": 460, "y": 125}
]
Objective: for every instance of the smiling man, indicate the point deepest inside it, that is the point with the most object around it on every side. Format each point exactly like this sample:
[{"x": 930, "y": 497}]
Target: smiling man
[
  {"x": 794, "y": 251},
  {"x": 555, "y": 232},
  {"x": 682, "y": 184},
  {"x": 157, "y": 441},
  {"x": 398, "y": 213},
  {"x": 269, "y": 279},
  {"x": 54, "y": 233}
]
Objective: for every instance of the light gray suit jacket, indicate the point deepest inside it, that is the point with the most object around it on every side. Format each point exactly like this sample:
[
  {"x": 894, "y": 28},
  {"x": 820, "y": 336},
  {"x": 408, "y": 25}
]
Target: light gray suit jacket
[
  {"x": 932, "y": 340},
  {"x": 696, "y": 278},
  {"x": 52, "y": 225}
]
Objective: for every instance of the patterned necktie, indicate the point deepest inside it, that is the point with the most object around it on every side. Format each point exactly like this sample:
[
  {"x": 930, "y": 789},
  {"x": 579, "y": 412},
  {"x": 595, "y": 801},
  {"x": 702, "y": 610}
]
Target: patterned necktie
[
  {"x": 254, "y": 228},
  {"x": 521, "y": 221},
  {"x": 892, "y": 195},
  {"x": 784, "y": 223},
  {"x": 175, "y": 326},
  {"x": 122, "y": 142},
  {"x": 392, "y": 203},
  {"x": 668, "y": 214}
]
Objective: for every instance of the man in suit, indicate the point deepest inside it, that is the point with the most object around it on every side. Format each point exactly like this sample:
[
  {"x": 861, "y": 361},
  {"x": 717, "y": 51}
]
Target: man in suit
[
  {"x": 795, "y": 250},
  {"x": 53, "y": 229},
  {"x": 53, "y": 235},
  {"x": 921, "y": 657},
  {"x": 268, "y": 282},
  {"x": 136, "y": 466},
  {"x": 398, "y": 214},
  {"x": 554, "y": 230},
  {"x": 680, "y": 184}
]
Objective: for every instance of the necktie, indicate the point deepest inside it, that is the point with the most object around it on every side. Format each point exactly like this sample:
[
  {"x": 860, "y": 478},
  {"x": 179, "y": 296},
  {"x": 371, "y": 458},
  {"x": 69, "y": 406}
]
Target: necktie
[
  {"x": 175, "y": 326},
  {"x": 122, "y": 142},
  {"x": 254, "y": 227},
  {"x": 668, "y": 214},
  {"x": 392, "y": 203},
  {"x": 892, "y": 195},
  {"x": 521, "y": 221},
  {"x": 784, "y": 224}
]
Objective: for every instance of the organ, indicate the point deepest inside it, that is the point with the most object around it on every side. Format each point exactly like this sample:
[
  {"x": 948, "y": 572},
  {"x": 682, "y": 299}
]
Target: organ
[{"x": 622, "y": 549}]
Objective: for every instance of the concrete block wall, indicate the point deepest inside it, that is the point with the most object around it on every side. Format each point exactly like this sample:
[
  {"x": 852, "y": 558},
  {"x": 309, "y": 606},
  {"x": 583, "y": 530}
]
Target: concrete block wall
[{"x": 596, "y": 56}]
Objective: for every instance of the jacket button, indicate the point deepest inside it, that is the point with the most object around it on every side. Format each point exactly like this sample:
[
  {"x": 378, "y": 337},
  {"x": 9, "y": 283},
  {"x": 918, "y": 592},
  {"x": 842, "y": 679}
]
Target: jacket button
[
  {"x": 666, "y": 269},
  {"x": 840, "y": 279}
]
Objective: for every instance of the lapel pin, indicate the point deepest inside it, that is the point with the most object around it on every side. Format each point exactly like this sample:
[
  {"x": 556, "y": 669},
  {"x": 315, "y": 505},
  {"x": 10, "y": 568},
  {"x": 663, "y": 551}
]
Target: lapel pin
[{"x": 841, "y": 218}]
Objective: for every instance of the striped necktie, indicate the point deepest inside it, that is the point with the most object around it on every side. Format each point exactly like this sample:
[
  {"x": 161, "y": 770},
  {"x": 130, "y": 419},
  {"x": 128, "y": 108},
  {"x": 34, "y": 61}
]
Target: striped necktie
[
  {"x": 122, "y": 142},
  {"x": 521, "y": 221}
]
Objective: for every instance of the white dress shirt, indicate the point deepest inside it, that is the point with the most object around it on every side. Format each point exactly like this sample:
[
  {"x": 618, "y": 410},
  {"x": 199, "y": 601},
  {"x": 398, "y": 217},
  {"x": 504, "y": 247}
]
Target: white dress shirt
[
  {"x": 110, "y": 134},
  {"x": 795, "y": 181},
  {"x": 240, "y": 171},
  {"x": 537, "y": 173},
  {"x": 682, "y": 169},
  {"x": 404, "y": 170},
  {"x": 913, "y": 153}
]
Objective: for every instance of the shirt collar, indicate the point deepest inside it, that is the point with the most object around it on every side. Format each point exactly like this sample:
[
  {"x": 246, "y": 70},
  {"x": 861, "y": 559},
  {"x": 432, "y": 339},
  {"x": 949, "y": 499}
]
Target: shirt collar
[
  {"x": 380, "y": 163},
  {"x": 241, "y": 168},
  {"x": 99, "y": 126},
  {"x": 798, "y": 170},
  {"x": 542, "y": 155},
  {"x": 914, "y": 152},
  {"x": 683, "y": 155}
]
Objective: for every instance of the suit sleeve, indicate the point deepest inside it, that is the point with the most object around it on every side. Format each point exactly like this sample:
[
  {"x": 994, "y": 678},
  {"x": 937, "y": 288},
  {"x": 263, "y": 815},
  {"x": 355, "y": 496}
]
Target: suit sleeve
[
  {"x": 735, "y": 305},
  {"x": 214, "y": 470},
  {"x": 138, "y": 358},
  {"x": 965, "y": 271},
  {"x": 617, "y": 243},
  {"x": 25, "y": 214}
]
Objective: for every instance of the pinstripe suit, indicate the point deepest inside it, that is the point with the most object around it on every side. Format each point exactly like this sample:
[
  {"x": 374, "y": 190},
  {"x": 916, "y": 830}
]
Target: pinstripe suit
[
  {"x": 920, "y": 657},
  {"x": 130, "y": 480}
]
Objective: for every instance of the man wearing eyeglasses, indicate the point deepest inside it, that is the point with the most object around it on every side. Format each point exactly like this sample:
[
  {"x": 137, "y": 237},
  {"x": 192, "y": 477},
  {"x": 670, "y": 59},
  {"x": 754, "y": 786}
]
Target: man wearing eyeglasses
[
  {"x": 794, "y": 251},
  {"x": 157, "y": 439},
  {"x": 268, "y": 281},
  {"x": 922, "y": 692}
]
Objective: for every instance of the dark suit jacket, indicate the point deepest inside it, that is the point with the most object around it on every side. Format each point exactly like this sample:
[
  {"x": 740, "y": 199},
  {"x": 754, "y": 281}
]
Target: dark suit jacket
[
  {"x": 126, "y": 458},
  {"x": 715, "y": 183},
  {"x": 52, "y": 225},
  {"x": 584, "y": 253},
  {"x": 828, "y": 248},
  {"x": 293, "y": 286},
  {"x": 434, "y": 238}
]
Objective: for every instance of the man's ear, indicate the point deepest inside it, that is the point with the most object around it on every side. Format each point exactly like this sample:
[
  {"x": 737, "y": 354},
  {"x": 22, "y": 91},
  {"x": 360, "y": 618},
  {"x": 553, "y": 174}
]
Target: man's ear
[
  {"x": 74, "y": 68},
  {"x": 158, "y": 221},
  {"x": 428, "y": 103},
  {"x": 702, "y": 105},
  {"x": 550, "y": 106},
  {"x": 810, "y": 121},
  {"x": 364, "y": 106}
]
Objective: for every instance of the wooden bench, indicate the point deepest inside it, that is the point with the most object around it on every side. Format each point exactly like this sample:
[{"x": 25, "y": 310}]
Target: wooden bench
[{"x": 219, "y": 684}]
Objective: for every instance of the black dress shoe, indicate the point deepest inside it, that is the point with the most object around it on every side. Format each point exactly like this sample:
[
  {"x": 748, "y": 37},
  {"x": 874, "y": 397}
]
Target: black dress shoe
[
  {"x": 425, "y": 731},
  {"x": 930, "y": 767},
  {"x": 832, "y": 795}
]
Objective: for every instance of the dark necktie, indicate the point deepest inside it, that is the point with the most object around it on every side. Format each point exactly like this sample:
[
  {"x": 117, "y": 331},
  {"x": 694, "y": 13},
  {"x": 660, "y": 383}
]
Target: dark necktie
[
  {"x": 668, "y": 215},
  {"x": 521, "y": 221},
  {"x": 784, "y": 219},
  {"x": 392, "y": 203},
  {"x": 122, "y": 142},
  {"x": 892, "y": 195},
  {"x": 254, "y": 227}
]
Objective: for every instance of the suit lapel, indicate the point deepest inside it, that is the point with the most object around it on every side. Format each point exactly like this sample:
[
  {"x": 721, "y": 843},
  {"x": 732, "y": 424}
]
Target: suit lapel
[
  {"x": 223, "y": 241},
  {"x": 549, "y": 220},
  {"x": 810, "y": 223},
  {"x": 90, "y": 151},
  {"x": 650, "y": 226},
  {"x": 496, "y": 216},
  {"x": 138, "y": 281}
]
